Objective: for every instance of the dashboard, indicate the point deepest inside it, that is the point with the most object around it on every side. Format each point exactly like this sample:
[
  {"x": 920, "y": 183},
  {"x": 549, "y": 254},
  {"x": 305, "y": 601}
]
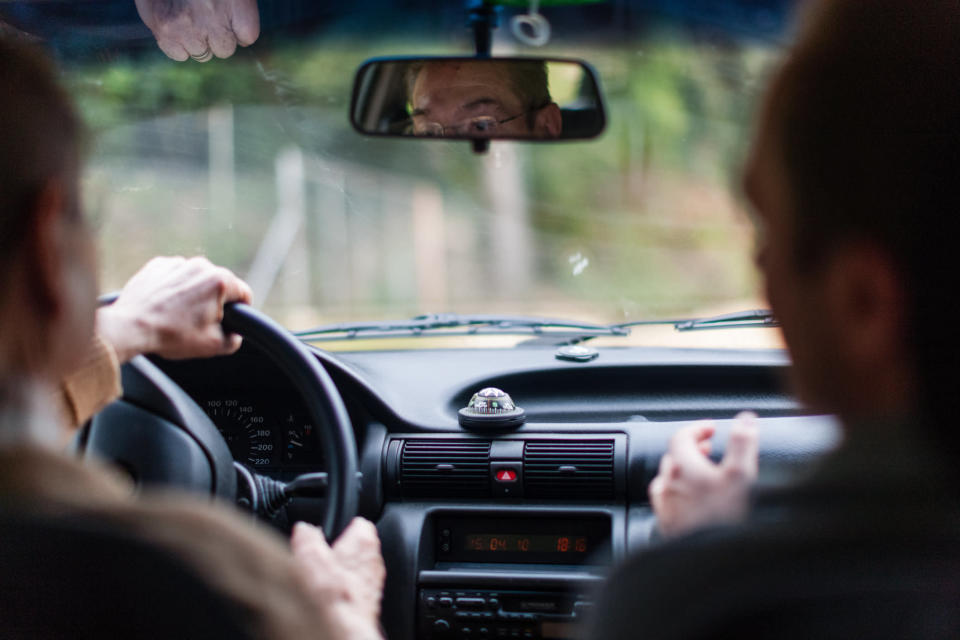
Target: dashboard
[{"x": 503, "y": 534}]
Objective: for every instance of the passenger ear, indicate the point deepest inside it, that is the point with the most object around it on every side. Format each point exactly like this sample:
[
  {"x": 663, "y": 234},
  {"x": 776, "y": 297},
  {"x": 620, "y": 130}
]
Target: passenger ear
[
  {"x": 549, "y": 122},
  {"x": 43, "y": 256},
  {"x": 868, "y": 295}
]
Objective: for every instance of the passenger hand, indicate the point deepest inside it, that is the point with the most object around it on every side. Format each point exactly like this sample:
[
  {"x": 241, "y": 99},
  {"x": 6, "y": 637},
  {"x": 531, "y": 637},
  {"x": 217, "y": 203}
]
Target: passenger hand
[
  {"x": 346, "y": 580},
  {"x": 691, "y": 491},
  {"x": 201, "y": 29},
  {"x": 172, "y": 307}
]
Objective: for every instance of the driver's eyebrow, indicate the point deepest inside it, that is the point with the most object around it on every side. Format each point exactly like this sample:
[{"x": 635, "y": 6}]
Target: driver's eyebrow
[
  {"x": 419, "y": 112},
  {"x": 480, "y": 102}
]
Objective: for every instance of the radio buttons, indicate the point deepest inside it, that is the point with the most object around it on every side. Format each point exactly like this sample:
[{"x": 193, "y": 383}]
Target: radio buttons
[
  {"x": 476, "y": 614},
  {"x": 471, "y": 603}
]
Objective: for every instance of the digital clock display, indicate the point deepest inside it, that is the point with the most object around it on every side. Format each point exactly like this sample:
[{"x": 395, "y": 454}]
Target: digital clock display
[
  {"x": 536, "y": 543},
  {"x": 523, "y": 540}
]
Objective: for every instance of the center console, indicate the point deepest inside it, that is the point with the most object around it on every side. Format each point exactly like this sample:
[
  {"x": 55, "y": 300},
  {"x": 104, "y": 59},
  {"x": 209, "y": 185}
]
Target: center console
[
  {"x": 499, "y": 537},
  {"x": 511, "y": 575}
]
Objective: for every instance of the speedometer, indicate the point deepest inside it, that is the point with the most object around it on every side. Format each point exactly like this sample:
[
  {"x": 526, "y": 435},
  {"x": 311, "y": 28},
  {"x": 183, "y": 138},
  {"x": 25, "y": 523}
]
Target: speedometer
[{"x": 250, "y": 436}]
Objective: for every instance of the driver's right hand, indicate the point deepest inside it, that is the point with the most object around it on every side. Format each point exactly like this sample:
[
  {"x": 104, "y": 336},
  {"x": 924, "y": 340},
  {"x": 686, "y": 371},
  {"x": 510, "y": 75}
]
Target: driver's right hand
[{"x": 345, "y": 580}]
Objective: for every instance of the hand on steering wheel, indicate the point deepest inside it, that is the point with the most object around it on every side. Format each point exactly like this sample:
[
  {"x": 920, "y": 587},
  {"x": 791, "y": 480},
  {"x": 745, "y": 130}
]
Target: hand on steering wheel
[
  {"x": 160, "y": 435},
  {"x": 172, "y": 307}
]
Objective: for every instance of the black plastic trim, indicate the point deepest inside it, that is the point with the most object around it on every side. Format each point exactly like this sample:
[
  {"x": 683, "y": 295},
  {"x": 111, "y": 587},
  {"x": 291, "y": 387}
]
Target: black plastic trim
[{"x": 392, "y": 473}]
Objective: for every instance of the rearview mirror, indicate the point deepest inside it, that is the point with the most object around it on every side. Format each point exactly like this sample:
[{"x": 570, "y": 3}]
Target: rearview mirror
[{"x": 477, "y": 99}]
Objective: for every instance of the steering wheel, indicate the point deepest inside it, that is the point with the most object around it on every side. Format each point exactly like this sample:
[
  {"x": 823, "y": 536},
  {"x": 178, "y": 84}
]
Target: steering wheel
[{"x": 158, "y": 434}]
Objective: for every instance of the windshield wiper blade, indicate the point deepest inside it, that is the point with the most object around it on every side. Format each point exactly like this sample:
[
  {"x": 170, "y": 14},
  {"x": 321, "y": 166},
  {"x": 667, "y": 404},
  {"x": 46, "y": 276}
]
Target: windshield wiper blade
[
  {"x": 471, "y": 324},
  {"x": 740, "y": 319},
  {"x": 455, "y": 324}
]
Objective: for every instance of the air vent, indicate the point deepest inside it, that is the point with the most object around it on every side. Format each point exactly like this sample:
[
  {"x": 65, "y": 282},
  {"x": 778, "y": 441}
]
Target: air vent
[
  {"x": 445, "y": 468},
  {"x": 568, "y": 469}
]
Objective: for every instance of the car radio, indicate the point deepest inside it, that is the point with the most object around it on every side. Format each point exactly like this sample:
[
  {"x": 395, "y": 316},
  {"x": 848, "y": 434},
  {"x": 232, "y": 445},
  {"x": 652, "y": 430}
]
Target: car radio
[
  {"x": 493, "y": 614},
  {"x": 566, "y": 544}
]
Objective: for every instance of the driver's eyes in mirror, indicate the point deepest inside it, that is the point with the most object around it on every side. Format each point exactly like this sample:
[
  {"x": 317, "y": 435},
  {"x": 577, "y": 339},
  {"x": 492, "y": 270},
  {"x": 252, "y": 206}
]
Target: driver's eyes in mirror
[
  {"x": 480, "y": 126},
  {"x": 470, "y": 98}
]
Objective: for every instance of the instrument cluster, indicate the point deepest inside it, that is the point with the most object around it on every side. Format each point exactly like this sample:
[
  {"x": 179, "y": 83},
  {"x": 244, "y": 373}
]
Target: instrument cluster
[{"x": 266, "y": 436}]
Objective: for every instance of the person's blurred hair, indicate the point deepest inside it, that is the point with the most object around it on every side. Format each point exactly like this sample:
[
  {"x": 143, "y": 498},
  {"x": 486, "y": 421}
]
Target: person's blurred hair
[
  {"x": 866, "y": 112},
  {"x": 40, "y": 137},
  {"x": 528, "y": 81}
]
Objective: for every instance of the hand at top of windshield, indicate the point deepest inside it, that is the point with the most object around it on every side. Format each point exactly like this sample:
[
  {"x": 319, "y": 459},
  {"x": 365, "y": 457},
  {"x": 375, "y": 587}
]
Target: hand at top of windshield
[
  {"x": 201, "y": 29},
  {"x": 173, "y": 307}
]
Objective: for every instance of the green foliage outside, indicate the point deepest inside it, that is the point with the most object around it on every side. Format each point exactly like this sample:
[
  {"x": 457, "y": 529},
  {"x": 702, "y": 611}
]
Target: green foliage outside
[{"x": 649, "y": 205}]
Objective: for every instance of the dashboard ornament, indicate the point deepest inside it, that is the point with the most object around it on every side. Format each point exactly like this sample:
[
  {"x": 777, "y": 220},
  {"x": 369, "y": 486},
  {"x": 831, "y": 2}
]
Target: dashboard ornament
[
  {"x": 576, "y": 353},
  {"x": 491, "y": 408}
]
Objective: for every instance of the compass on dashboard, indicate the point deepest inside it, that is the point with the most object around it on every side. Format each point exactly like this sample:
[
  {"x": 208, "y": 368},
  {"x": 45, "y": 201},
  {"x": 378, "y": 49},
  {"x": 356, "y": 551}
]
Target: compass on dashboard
[{"x": 491, "y": 408}]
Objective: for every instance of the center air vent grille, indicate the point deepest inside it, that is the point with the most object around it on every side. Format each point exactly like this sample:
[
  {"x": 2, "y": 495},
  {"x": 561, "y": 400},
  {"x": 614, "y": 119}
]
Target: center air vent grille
[
  {"x": 445, "y": 468},
  {"x": 568, "y": 469}
]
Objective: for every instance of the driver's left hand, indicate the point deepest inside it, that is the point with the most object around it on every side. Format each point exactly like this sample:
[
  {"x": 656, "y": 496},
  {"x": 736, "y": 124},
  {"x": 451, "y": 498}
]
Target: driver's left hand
[{"x": 172, "y": 307}]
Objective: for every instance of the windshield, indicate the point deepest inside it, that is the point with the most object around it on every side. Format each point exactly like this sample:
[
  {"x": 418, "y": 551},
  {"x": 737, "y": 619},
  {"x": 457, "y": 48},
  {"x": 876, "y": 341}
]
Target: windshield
[{"x": 252, "y": 162}]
